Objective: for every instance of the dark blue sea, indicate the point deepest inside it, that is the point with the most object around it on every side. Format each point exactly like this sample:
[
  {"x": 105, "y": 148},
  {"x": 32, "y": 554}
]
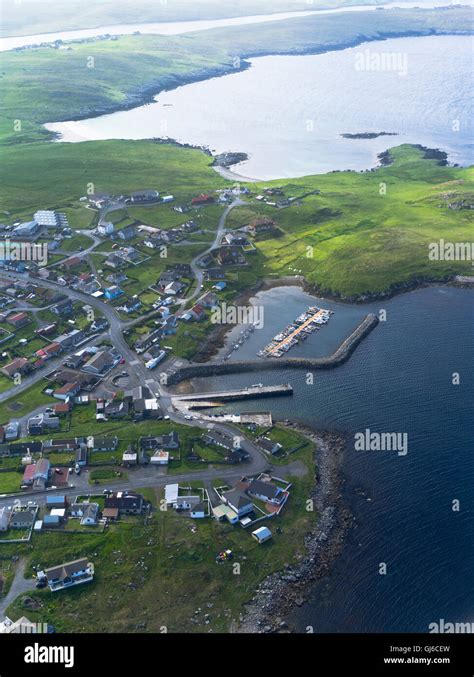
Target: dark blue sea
[{"x": 400, "y": 379}]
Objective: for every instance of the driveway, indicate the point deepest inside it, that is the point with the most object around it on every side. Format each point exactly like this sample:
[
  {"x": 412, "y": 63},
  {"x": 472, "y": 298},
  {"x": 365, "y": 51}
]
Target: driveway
[{"x": 19, "y": 586}]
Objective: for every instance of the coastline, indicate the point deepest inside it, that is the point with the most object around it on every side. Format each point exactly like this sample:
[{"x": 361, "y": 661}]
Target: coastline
[
  {"x": 148, "y": 93},
  {"x": 281, "y": 592}
]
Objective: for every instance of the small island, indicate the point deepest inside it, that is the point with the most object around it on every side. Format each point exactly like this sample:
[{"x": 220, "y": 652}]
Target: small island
[{"x": 367, "y": 135}]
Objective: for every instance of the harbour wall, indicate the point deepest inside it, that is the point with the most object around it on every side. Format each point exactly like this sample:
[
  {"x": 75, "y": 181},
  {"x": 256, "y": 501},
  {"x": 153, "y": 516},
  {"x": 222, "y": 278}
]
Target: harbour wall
[{"x": 339, "y": 356}]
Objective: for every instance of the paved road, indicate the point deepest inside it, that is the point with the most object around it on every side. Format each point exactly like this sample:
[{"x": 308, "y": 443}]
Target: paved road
[
  {"x": 197, "y": 270},
  {"x": 258, "y": 461},
  {"x": 19, "y": 586}
]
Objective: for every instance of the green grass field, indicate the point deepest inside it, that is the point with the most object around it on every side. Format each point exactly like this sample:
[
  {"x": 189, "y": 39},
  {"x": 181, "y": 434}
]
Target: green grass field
[{"x": 366, "y": 232}]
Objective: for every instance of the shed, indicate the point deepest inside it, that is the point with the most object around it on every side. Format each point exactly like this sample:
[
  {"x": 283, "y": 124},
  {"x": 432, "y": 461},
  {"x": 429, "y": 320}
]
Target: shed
[
  {"x": 56, "y": 501},
  {"x": 51, "y": 521},
  {"x": 110, "y": 513},
  {"x": 262, "y": 534}
]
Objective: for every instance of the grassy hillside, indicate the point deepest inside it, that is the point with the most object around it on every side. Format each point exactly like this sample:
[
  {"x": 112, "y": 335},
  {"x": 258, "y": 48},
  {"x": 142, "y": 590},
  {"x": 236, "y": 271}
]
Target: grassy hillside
[
  {"x": 363, "y": 241},
  {"x": 53, "y": 174}
]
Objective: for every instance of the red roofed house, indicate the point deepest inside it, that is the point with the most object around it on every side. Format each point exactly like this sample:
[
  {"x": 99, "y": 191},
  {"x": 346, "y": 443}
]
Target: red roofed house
[
  {"x": 72, "y": 262},
  {"x": 29, "y": 474},
  {"x": 18, "y": 319},
  {"x": 197, "y": 312},
  {"x": 49, "y": 351},
  {"x": 202, "y": 199},
  {"x": 68, "y": 390},
  {"x": 62, "y": 408}
]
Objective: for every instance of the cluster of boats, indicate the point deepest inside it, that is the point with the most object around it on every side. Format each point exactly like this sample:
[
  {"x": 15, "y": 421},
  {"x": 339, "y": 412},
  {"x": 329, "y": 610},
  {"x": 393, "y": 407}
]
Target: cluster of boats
[
  {"x": 304, "y": 325},
  {"x": 244, "y": 335}
]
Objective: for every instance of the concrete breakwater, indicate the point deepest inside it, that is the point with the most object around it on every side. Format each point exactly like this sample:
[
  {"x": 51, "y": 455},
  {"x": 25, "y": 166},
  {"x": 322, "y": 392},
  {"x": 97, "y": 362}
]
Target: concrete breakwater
[{"x": 340, "y": 355}]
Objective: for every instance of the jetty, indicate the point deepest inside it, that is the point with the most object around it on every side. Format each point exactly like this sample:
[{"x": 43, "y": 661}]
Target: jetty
[
  {"x": 340, "y": 355},
  {"x": 299, "y": 330},
  {"x": 232, "y": 395}
]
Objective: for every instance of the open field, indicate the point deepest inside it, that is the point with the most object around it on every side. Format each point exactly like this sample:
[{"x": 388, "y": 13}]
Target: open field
[
  {"x": 353, "y": 239},
  {"x": 112, "y": 166}
]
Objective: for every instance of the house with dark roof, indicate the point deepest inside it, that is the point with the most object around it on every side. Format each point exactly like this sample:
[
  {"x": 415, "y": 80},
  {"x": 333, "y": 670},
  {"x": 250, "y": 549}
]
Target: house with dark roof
[
  {"x": 23, "y": 517},
  {"x": 267, "y": 491},
  {"x": 127, "y": 503},
  {"x": 117, "y": 409},
  {"x": 62, "y": 308},
  {"x": 169, "y": 441},
  {"x": 268, "y": 446},
  {"x": 127, "y": 233},
  {"x": 219, "y": 439},
  {"x": 105, "y": 443}
]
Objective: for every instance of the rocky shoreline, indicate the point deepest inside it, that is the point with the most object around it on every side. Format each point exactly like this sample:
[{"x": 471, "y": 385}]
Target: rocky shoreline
[{"x": 281, "y": 592}]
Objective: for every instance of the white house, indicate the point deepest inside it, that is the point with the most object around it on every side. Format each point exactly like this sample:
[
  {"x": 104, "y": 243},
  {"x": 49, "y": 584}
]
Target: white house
[
  {"x": 105, "y": 228},
  {"x": 238, "y": 501},
  {"x": 68, "y": 574},
  {"x": 199, "y": 511},
  {"x": 5, "y": 513},
  {"x": 160, "y": 457}
]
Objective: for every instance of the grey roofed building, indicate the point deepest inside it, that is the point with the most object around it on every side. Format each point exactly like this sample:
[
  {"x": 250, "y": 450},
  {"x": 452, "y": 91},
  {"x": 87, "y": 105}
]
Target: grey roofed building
[
  {"x": 117, "y": 409},
  {"x": 169, "y": 441},
  {"x": 99, "y": 362},
  {"x": 105, "y": 443},
  {"x": 268, "y": 445},
  {"x": 237, "y": 456},
  {"x": 127, "y": 233},
  {"x": 69, "y": 573},
  {"x": 81, "y": 455},
  {"x": 218, "y": 438},
  {"x": 264, "y": 490},
  {"x": 23, "y": 518},
  {"x": 90, "y": 514},
  {"x": 138, "y": 393},
  {"x": 238, "y": 501}
]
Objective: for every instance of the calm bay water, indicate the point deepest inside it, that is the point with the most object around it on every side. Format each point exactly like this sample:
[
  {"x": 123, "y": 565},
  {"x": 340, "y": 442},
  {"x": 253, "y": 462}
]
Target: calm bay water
[
  {"x": 288, "y": 112},
  {"x": 398, "y": 380}
]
